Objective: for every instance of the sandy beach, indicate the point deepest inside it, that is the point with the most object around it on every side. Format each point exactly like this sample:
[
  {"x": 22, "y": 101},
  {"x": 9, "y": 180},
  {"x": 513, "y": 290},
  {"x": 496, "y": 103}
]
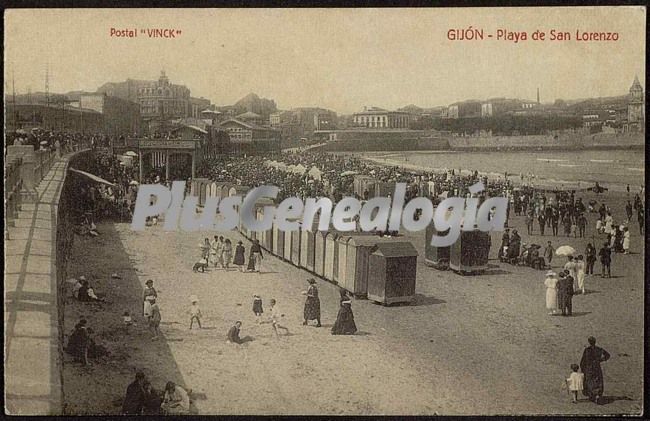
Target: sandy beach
[{"x": 467, "y": 345}]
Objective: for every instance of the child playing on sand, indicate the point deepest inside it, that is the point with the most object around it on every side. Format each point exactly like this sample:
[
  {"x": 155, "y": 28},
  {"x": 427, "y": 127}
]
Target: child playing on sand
[
  {"x": 195, "y": 311},
  {"x": 575, "y": 382},
  {"x": 276, "y": 315},
  {"x": 257, "y": 308}
]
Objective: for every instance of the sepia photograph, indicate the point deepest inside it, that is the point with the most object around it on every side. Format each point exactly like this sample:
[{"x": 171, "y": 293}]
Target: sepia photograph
[{"x": 324, "y": 211}]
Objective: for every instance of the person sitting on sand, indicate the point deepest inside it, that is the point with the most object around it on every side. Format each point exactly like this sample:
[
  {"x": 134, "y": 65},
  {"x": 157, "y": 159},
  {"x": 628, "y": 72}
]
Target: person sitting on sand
[
  {"x": 81, "y": 344},
  {"x": 86, "y": 293},
  {"x": 233, "y": 334},
  {"x": 152, "y": 400},
  {"x": 134, "y": 400},
  {"x": 77, "y": 286},
  {"x": 176, "y": 400},
  {"x": 78, "y": 342}
]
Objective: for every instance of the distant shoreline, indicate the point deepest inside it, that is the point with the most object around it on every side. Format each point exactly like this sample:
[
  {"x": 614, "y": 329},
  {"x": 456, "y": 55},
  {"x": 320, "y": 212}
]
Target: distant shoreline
[
  {"x": 514, "y": 178},
  {"x": 504, "y": 149}
]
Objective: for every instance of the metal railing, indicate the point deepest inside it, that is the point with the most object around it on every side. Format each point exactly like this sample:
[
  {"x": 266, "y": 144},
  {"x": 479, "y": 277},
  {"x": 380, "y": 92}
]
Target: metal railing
[{"x": 13, "y": 186}]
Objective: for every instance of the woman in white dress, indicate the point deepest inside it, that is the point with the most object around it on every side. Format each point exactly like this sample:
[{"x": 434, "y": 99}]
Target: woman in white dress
[
  {"x": 580, "y": 272},
  {"x": 608, "y": 223},
  {"x": 551, "y": 291},
  {"x": 626, "y": 240}
]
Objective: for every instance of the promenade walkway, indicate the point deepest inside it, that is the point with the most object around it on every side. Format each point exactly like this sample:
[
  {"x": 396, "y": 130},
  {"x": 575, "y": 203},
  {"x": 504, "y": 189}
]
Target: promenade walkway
[{"x": 32, "y": 359}]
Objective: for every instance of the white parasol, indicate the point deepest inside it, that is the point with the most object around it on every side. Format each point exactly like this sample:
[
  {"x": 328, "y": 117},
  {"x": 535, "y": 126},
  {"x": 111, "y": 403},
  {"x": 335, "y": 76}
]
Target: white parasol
[
  {"x": 565, "y": 251},
  {"x": 133, "y": 183},
  {"x": 345, "y": 173},
  {"x": 131, "y": 153}
]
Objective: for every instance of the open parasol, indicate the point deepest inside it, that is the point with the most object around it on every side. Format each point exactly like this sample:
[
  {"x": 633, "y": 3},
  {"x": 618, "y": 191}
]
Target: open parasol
[
  {"x": 345, "y": 173},
  {"x": 565, "y": 251},
  {"x": 131, "y": 153}
]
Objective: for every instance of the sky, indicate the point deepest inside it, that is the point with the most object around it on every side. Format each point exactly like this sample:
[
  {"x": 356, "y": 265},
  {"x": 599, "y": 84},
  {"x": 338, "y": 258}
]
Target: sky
[{"x": 341, "y": 59}]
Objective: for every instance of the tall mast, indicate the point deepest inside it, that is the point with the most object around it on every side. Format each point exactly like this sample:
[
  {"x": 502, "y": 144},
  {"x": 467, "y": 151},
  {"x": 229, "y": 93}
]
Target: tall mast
[{"x": 13, "y": 82}]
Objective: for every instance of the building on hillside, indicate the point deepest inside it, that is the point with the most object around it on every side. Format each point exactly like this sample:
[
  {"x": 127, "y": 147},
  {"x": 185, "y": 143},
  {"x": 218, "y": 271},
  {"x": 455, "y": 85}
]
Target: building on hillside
[
  {"x": 300, "y": 123},
  {"x": 279, "y": 118},
  {"x": 211, "y": 117},
  {"x": 499, "y": 106},
  {"x": 250, "y": 117},
  {"x": 465, "y": 109},
  {"x": 635, "y": 108},
  {"x": 159, "y": 99},
  {"x": 53, "y": 117},
  {"x": 197, "y": 105},
  {"x": 186, "y": 131},
  {"x": 121, "y": 116},
  {"x": 250, "y": 138},
  {"x": 325, "y": 120},
  {"x": 374, "y": 117}
]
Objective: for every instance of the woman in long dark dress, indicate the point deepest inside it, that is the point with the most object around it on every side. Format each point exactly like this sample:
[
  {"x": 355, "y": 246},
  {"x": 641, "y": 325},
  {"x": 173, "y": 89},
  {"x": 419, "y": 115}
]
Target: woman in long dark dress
[
  {"x": 239, "y": 256},
  {"x": 251, "y": 262},
  {"x": 344, "y": 324},
  {"x": 590, "y": 366},
  {"x": 312, "y": 304},
  {"x": 78, "y": 342}
]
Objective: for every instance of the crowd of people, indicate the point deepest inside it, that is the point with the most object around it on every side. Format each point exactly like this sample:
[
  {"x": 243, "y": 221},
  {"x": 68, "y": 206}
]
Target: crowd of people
[
  {"x": 62, "y": 141},
  {"x": 143, "y": 399},
  {"x": 547, "y": 209},
  {"x": 329, "y": 175}
]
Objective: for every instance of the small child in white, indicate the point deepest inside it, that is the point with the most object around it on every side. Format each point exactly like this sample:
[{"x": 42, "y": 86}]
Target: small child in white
[
  {"x": 575, "y": 382},
  {"x": 195, "y": 312},
  {"x": 257, "y": 308},
  {"x": 276, "y": 315}
]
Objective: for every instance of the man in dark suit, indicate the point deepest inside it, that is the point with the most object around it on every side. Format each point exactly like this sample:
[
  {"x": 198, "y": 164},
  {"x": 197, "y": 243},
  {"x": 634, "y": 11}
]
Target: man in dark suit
[{"x": 565, "y": 293}]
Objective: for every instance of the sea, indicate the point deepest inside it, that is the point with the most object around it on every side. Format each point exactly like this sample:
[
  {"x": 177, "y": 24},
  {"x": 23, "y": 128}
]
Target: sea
[{"x": 614, "y": 169}]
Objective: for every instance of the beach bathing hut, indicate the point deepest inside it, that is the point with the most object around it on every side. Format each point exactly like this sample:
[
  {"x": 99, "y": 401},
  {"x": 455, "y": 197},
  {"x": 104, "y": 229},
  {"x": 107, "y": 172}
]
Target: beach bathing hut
[
  {"x": 341, "y": 269},
  {"x": 307, "y": 249},
  {"x": 359, "y": 248},
  {"x": 213, "y": 190},
  {"x": 198, "y": 188},
  {"x": 384, "y": 188},
  {"x": 331, "y": 256},
  {"x": 223, "y": 190},
  {"x": 238, "y": 191},
  {"x": 287, "y": 245},
  {"x": 278, "y": 242},
  {"x": 437, "y": 257},
  {"x": 295, "y": 247},
  {"x": 469, "y": 254},
  {"x": 319, "y": 252},
  {"x": 364, "y": 184},
  {"x": 391, "y": 272},
  {"x": 263, "y": 236}
]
